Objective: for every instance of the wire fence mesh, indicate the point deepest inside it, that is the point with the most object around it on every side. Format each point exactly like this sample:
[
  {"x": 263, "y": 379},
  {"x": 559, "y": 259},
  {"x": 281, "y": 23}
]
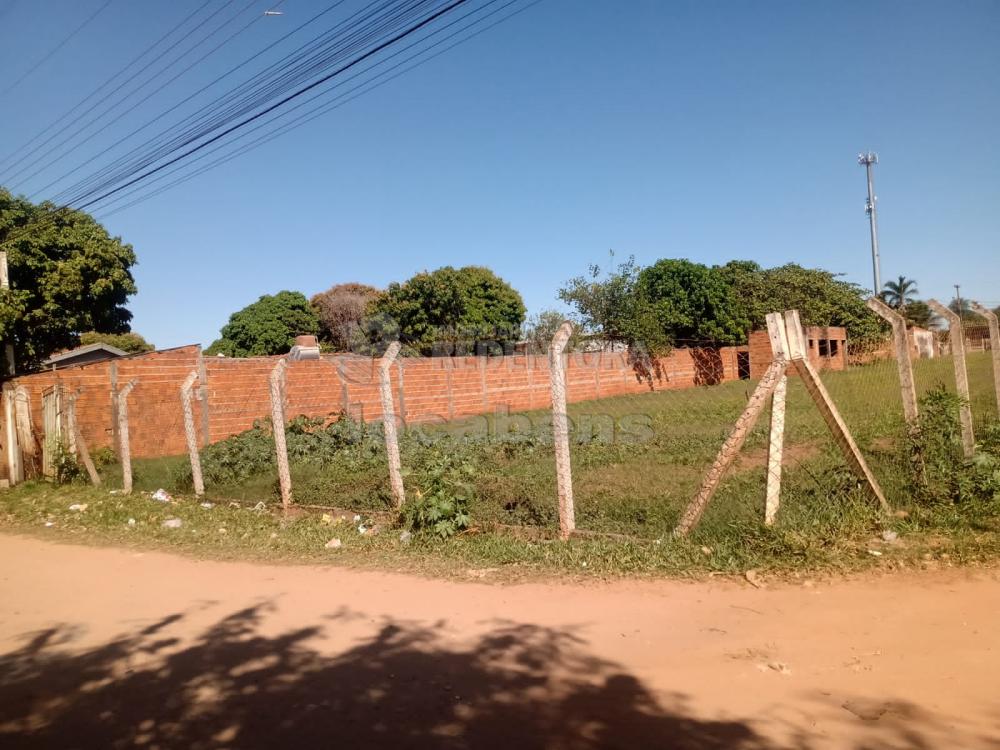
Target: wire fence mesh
[{"x": 641, "y": 439}]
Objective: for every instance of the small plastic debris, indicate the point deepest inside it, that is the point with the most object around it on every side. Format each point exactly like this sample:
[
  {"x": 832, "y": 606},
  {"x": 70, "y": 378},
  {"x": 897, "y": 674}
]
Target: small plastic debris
[
  {"x": 706, "y": 550},
  {"x": 49, "y": 523},
  {"x": 162, "y": 496},
  {"x": 172, "y": 523},
  {"x": 115, "y": 492},
  {"x": 260, "y": 507},
  {"x": 326, "y": 518},
  {"x": 406, "y": 537},
  {"x": 357, "y": 518},
  {"x": 334, "y": 544},
  {"x": 362, "y": 529},
  {"x": 889, "y": 535},
  {"x": 874, "y": 553},
  {"x": 753, "y": 579},
  {"x": 131, "y": 522},
  {"x": 222, "y": 530},
  {"x": 208, "y": 506},
  {"x": 78, "y": 507}
]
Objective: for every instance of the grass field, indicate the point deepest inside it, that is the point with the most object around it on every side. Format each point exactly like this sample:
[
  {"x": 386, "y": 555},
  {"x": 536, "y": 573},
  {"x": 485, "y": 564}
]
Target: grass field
[{"x": 637, "y": 460}]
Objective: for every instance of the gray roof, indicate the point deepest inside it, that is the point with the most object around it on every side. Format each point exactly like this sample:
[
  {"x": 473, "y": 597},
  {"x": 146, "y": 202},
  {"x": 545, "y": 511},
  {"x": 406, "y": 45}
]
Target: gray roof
[{"x": 114, "y": 351}]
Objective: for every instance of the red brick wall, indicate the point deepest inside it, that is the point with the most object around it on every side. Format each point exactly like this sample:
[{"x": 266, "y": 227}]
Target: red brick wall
[{"x": 425, "y": 389}]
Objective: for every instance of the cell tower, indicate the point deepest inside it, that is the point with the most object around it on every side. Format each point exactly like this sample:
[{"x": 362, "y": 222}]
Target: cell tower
[{"x": 869, "y": 160}]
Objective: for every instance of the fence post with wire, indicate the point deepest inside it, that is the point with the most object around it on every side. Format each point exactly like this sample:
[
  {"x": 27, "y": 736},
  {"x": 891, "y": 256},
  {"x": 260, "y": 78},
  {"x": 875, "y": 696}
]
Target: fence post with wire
[{"x": 956, "y": 342}]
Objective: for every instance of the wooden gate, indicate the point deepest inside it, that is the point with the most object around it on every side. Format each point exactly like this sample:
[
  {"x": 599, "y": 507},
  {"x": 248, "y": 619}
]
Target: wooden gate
[{"x": 52, "y": 429}]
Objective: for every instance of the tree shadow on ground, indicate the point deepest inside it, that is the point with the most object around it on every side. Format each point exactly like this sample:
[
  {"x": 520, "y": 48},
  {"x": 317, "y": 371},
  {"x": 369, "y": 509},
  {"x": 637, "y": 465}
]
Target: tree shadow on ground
[{"x": 518, "y": 686}]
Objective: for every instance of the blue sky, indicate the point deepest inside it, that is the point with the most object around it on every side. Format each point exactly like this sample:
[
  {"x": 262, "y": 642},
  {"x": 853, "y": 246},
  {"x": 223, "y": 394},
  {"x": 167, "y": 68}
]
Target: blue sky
[{"x": 706, "y": 130}]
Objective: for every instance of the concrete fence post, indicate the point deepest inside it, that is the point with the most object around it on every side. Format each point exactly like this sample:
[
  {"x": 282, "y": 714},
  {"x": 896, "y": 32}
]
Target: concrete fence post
[
  {"x": 956, "y": 338},
  {"x": 190, "y": 435},
  {"x": 828, "y": 410},
  {"x": 389, "y": 424},
  {"x": 73, "y": 427},
  {"x": 124, "y": 448},
  {"x": 560, "y": 430},
  {"x": 776, "y": 442},
  {"x": 991, "y": 321},
  {"x": 277, "y": 391},
  {"x": 15, "y": 469},
  {"x": 901, "y": 345}
]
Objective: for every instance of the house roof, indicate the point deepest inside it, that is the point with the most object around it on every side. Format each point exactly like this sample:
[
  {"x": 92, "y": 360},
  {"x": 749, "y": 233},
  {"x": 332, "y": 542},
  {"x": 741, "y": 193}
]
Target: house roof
[{"x": 70, "y": 354}]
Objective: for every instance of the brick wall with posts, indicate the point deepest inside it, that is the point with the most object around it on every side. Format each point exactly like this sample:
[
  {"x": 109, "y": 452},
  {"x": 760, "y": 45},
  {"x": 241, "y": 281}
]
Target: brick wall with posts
[{"x": 232, "y": 393}]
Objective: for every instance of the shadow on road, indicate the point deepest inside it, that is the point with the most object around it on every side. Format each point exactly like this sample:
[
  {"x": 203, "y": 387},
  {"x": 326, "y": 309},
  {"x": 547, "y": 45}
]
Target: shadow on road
[{"x": 519, "y": 686}]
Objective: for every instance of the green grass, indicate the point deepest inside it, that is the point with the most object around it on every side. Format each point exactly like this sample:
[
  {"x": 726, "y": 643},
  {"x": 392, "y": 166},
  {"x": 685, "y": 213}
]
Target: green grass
[{"x": 637, "y": 461}]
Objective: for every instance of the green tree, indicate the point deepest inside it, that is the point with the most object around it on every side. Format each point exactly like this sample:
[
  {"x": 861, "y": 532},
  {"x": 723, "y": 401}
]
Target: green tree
[
  {"x": 964, "y": 309},
  {"x": 450, "y": 308},
  {"x": 539, "y": 330},
  {"x": 267, "y": 326},
  {"x": 131, "y": 342},
  {"x": 898, "y": 294},
  {"x": 694, "y": 303},
  {"x": 821, "y": 298},
  {"x": 613, "y": 306},
  {"x": 67, "y": 276},
  {"x": 918, "y": 313},
  {"x": 341, "y": 310}
]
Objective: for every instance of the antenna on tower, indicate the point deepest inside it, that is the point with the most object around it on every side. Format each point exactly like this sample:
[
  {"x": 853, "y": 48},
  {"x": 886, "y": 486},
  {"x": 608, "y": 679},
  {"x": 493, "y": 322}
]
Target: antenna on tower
[{"x": 869, "y": 160}]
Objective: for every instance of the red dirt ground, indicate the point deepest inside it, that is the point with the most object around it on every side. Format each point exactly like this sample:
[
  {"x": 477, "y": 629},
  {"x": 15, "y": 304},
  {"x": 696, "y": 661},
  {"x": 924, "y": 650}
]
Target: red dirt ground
[{"x": 112, "y": 648}]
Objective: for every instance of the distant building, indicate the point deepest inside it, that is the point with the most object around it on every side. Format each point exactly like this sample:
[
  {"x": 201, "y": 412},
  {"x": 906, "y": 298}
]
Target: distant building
[
  {"x": 827, "y": 347},
  {"x": 83, "y": 355}
]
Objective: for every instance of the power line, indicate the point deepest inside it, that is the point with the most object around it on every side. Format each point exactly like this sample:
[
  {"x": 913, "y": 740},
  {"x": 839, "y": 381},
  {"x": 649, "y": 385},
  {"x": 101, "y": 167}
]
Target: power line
[
  {"x": 151, "y": 94},
  {"x": 281, "y": 102},
  {"x": 313, "y": 113},
  {"x": 193, "y": 126},
  {"x": 376, "y": 80},
  {"x": 51, "y": 53},
  {"x": 96, "y": 91},
  {"x": 77, "y": 128}
]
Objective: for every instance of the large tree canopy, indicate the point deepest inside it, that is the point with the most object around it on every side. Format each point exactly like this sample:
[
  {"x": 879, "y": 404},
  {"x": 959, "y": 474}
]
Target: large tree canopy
[
  {"x": 67, "y": 276},
  {"x": 693, "y": 303},
  {"x": 468, "y": 307},
  {"x": 681, "y": 302},
  {"x": 267, "y": 326},
  {"x": 821, "y": 298},
  {"x": 341, "y": 310},
  {"x": 132, "y": 342}
]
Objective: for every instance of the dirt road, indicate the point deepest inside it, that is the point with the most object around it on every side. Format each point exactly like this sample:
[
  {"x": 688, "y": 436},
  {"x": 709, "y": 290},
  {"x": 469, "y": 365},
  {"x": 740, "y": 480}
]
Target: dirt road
[{"x": 112, "y": 648}]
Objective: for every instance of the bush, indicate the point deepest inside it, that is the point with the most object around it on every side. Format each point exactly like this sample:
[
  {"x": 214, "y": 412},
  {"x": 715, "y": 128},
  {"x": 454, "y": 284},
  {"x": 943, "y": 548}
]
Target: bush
[
  {"x": 441, "y": 504},
  {"x": 942, "y": 474}
]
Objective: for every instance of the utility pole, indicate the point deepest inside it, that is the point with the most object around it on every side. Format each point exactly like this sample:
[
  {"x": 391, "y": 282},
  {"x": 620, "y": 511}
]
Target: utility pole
[
  {"x": 869, "y": 160},
  {"x": 958, "y": 301},
  {"x": 4, "y": 286}
]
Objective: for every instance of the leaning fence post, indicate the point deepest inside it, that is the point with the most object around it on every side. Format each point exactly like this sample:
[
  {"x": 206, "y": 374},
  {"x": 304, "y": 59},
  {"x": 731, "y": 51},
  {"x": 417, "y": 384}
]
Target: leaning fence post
[
  {"x": 277, "y": 388},
  {"x": 81, "y": 444},
  {"x": 991, "y": 320},
  {"x": 560, "y": 430},
  {"x": 776, "y": 443},
  {"x": 190, "y": 435},
  {"x": 124, "y": 449},
  {"x": 389, "y": 424},
  {"x": 956, "y": 339},
  {"x": 731, "y": 448},
  {"x": 904, "y": 366},
  {"x": 827, "y": 409}
]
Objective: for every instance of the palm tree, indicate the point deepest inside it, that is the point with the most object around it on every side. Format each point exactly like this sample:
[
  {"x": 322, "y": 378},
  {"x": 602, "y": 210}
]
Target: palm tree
[{"x": 898, "y": 294}]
